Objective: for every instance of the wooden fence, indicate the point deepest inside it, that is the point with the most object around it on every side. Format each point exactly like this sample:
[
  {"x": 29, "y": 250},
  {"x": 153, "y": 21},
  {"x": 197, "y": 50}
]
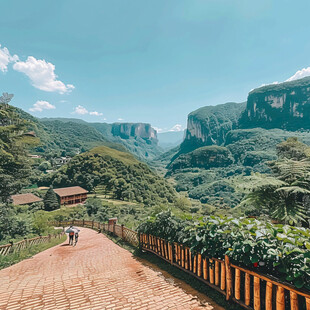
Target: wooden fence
[
  {"x": 121, "y": 231},
  {"x": 26, "y": 243},
  {"x": 249, "y": 289}
]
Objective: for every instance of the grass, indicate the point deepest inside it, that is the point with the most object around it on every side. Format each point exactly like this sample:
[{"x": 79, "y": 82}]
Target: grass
[{"x": 14, "y": 258}]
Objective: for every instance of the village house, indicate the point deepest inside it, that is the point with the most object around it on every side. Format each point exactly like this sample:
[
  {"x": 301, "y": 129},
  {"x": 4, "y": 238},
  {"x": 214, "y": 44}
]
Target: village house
[
  {"x": 71, "y": 195},
  {"x": 25, "y": 199},
  {"x": 62, "y": 160}
]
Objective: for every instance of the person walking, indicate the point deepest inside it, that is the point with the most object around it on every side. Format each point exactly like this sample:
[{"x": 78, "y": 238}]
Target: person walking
[
  {"x": 71, "y": 235},
  {"x": 76, "y": 235}
]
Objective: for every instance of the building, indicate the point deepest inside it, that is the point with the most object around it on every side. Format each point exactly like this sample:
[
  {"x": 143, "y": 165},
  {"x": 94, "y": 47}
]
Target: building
[
  {"x": 34, "y": 156},
  {"x": 71, "y": 195},
  {"x": 62, "y": 160},
  {"x": 25, "y": 199}
]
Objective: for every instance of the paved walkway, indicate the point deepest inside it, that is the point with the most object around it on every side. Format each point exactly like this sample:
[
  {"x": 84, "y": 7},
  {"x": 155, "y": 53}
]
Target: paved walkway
[{"x": 96, "y": 274}]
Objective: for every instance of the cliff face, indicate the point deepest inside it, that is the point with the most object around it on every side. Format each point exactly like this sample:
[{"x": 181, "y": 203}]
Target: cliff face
[
  {"x": 209, "y": 125},
  {"x": 285, "y": 105},
  {"x": 133, "y": 130}
]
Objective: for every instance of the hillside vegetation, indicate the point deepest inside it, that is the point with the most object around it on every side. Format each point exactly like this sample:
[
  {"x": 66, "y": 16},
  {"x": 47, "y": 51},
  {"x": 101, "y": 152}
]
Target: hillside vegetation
[
  {"x": 118, "y": 174},
  {"x": 227, "y": 144}
]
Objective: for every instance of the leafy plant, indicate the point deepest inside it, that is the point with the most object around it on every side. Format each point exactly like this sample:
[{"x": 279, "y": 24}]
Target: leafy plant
[{"x": 279, "y": 250}]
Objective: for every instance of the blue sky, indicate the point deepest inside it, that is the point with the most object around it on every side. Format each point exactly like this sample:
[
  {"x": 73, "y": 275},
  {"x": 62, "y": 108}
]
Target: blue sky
[{"x": 146, "y": 61}]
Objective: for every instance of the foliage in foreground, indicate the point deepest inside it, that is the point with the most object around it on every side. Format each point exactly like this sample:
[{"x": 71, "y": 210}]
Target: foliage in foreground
[
  {"x": 279, "y": 250},
  {"x": 14, "y": 164},
  {"x": 14, "y": 258},
  {"x": 285, "y": 195},
  {"x": 17, "y": 222}
]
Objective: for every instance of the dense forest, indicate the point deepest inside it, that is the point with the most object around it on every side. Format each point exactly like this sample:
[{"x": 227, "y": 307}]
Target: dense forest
[{"x": 116, "y": 173}]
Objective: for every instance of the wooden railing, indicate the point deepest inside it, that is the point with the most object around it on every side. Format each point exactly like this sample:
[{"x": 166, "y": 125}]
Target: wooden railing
[
  {"x": 26, "y": 243},
  {"x": 251, "y": 290},
  {"x": 121, "y": 231}
]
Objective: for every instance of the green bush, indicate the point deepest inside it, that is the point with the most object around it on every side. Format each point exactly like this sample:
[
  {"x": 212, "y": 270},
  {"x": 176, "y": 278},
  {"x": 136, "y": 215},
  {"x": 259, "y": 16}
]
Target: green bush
[{"x": 279, "y": 250}]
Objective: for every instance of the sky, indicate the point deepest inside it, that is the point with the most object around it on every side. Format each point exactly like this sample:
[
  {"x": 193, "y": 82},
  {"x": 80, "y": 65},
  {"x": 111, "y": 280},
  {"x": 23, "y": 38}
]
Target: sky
[{"x": 147, "y": 61}]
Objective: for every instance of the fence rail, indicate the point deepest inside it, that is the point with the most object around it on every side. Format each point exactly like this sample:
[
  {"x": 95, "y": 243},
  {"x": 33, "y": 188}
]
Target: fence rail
[
  {"x": 249, "y": 289},
  {"x": 26, "y": 243}
]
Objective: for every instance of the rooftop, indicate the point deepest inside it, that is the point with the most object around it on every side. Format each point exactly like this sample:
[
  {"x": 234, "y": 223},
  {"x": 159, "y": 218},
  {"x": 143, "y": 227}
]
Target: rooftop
[
  {"x": 24, "y": 199},
  {"x": 69, "y": 191}
]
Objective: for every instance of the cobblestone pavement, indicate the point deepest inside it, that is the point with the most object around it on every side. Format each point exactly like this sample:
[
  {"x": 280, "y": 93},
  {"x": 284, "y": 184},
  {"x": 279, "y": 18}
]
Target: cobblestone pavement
[{"x": 95, "y": 274}]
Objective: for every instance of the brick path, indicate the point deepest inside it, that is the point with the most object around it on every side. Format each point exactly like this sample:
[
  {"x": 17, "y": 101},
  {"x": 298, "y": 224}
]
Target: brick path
[{"x": 96, "y": 274}]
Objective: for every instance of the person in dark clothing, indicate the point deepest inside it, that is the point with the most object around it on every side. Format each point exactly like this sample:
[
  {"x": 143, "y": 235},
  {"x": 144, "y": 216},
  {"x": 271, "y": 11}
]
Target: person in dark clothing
[
  {"x": 71, "y": 235},
  {"x": 76, "y": 237}
]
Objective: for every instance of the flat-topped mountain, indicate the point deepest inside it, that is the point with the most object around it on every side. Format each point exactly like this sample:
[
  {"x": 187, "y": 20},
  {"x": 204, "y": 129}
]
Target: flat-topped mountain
[
  {"x": 285, "y": 105},
  {"x": 209, "y": 125},
  {"x": 133, "y": 130},
  {"x": 138, "y": 138}
]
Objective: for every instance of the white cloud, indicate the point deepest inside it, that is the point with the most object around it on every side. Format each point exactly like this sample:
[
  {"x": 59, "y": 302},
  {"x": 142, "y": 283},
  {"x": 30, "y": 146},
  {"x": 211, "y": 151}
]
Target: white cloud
[
  {"x": 176, "y": 127},
  {"x": 159, "y": 130},
  {"x": 41, "y": 105},
  {"x": 42, "y": 75},
  {"x": 95, "y": 113},
  {"x": 6, "y": 58},
  {"x": 273, "y": 83},
  {"x": 80, "y": 110},
  {"x": 299, "y": 74},
  {"x": 83, "y": 111},
  {"x": 120, "y": 119}
]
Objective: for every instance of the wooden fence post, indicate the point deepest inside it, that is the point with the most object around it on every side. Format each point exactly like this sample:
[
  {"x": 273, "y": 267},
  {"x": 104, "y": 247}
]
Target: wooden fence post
[
  {"x": 228, "y": 278},
  {"x": 92, "y": 224},
  {"x": 257, "y": 293},
  {"x": 122, "y": 226},
  {"x": 268, "y": 298},
  {"x": 247, "y": 290},
  {"x": 237, "y": 284},
  {"x": 280, "y": 300},
  {"x": 171, "y": 253},
  {"x": 199, "y": 265},
  {"x": 83, "y": 222}
]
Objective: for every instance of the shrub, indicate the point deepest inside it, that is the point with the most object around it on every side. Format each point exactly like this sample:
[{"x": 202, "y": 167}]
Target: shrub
[{"x": 280, "y": 250}]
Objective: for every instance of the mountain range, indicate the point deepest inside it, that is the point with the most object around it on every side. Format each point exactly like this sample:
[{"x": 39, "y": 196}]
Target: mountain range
[{"x": 225, "y": 142}]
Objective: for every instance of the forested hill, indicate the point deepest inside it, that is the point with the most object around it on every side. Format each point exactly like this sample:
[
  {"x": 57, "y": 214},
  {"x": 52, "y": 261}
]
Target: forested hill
[
  {"x": 117, "y": 174},
  {"x": 140, "y": 139},
  {"x": 64, "y": 138},
  {"x": 70, "y": 136}
]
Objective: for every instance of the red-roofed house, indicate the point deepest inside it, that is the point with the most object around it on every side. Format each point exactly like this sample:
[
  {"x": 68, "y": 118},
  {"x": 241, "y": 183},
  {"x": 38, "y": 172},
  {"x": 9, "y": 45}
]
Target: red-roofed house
[
  {"x": 25, "y": 199},
  {"x": 71, "y": 195}
]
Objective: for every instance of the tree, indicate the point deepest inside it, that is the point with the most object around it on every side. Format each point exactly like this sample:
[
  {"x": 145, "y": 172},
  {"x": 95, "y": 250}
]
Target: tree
[
  {"x": 14, "y": 163},
  {"x": 45, "y": 165},
  {"x": 293, "y": 149},
  {"x": 285, "y": 196},
  {"x": 50, "y": 200}
]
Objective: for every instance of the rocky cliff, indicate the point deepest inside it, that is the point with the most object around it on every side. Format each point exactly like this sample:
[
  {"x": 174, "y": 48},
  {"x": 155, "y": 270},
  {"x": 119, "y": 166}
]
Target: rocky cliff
[
  {"x": 138, "y": 138},
  {"x": 209, "y": 125},
  {"x": 285, "y": 105},
  {"x": 133, "y": 130}
]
